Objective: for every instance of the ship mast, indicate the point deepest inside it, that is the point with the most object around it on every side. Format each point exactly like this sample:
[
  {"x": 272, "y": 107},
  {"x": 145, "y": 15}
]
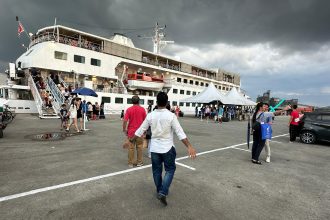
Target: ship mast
[{"x": 159, "y": 38}]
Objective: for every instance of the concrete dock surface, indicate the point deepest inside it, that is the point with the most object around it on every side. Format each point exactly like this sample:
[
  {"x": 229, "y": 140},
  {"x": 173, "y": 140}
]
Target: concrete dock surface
[{"x": 86, "y": 176}]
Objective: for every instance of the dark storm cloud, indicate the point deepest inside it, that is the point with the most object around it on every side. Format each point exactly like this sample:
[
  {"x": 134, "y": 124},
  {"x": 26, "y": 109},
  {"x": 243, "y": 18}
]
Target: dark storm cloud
[{"x": 289, "y": 26}]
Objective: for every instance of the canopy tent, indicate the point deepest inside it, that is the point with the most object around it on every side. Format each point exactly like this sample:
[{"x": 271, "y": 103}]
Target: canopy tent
[
  {"x": 235, "y": 98},
  {"x": 209, "y": 94}
]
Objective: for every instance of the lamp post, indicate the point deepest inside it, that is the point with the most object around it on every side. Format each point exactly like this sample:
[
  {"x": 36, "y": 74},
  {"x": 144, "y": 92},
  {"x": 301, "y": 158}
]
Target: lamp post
[{"x": 74, "y": 79}]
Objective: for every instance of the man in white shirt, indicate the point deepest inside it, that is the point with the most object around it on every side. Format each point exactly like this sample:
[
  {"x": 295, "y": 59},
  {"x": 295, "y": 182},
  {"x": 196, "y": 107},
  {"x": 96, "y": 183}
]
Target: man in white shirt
[{"x": 163, "y": 123}]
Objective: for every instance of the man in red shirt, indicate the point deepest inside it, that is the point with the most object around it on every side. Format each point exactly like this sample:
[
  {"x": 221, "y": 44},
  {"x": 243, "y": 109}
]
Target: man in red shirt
[
  {"x": 294, "y": 124},
  {"x": 134, "y": 116}
]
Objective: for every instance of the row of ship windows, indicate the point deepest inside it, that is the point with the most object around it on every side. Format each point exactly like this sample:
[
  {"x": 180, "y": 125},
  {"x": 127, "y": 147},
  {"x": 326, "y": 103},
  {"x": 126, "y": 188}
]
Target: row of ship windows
[
  {"x": 175, "y": 91},
  {"x": 151, "y": 102},
  {"x": 121, "y": 100},
  {"x": 197, "y": 83},
  {"x": 76, "y": 58}
]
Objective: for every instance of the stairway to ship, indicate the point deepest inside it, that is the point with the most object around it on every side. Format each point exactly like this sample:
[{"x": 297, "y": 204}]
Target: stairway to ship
[{"x": 44, "y": 112}]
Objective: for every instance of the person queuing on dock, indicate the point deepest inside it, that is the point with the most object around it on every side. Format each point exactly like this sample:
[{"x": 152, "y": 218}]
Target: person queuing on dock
[
  {"x": 258, "y": 143},
  {"x": 102, "y": 115},
  {"x": 294, "y": 123},
  {"x": 133, "y": 119},
  {"x": 80, "y": 113},
  {"x": 64, "y": 116},
  {"x": 73, "y": 116},
  {"x": 163, "y": 123},
  {"x": 220, "y": 114},
  {"x": 268, "y": 119}
]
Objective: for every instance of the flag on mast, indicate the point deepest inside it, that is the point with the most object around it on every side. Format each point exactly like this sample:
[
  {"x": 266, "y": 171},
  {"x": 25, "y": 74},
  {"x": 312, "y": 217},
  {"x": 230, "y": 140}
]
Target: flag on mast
[{"x": 20, "y": 28}]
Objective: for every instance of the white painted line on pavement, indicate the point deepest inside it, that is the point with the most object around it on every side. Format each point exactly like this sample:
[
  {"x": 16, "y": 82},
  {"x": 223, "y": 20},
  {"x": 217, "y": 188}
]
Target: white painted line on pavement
[
  {"x": 276, "y": 142},
  {"x": 35, "y": 191},
  {"x": 241, "y": 149},
  {"x": 5, "y": 198},
  {"x": 184, "y": 165}
]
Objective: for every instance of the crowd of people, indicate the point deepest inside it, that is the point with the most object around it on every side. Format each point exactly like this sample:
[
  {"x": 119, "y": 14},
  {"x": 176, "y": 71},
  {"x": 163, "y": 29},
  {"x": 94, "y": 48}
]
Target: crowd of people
[
  {"x": 73, "y": 111},
  {"x": 220, "y": 113}
]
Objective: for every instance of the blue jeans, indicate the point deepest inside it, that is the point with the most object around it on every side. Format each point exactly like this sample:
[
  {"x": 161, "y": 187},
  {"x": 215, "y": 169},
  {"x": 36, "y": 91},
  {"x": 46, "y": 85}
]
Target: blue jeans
[{"x": 157, "y": 160}]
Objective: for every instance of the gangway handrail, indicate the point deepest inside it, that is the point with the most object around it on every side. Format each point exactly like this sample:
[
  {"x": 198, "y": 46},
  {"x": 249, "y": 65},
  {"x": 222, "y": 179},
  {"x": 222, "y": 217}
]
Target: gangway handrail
[
  {"x": 63, "y": 82},
  {"x": 56, "y": 91},
  {"x": 55, "y": 105},
  {"x": 35, "y": 94}
]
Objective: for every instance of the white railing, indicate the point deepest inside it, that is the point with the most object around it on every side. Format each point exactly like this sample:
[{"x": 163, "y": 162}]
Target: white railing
[
  {"x": 63, "y": 82},
  {"x": 36, "y": 95},
  {"x": 58, "y": 97}
]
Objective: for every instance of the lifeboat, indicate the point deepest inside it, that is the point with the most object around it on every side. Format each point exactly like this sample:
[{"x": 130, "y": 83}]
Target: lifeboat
[{"x": 144, "y": 81}]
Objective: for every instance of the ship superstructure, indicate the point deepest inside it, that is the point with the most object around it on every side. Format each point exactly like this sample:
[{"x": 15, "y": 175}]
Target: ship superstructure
[{"x": 113, "y": 67}]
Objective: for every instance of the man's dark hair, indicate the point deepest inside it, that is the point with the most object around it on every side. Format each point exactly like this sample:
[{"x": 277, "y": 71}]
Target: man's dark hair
[
  {"x": 294, "y": 106},
  {"x": 266, "y": 104},
  {"x": 162, "y": 99},
  {"x": 135, "y": 100}
]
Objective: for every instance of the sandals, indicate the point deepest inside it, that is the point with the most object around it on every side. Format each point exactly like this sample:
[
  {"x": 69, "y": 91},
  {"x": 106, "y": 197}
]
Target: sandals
[{"x": 256, "y": 161}]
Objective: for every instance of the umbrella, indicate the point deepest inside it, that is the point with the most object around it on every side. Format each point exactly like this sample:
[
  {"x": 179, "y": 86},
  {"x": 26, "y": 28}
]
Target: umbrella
[
  {"x": 248, "y": 132},
  {"x": 85, "y": 92}
]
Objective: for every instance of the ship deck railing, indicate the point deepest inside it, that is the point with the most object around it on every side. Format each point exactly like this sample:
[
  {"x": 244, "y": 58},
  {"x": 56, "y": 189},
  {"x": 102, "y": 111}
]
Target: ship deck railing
[{"x": 64, "y": 39}]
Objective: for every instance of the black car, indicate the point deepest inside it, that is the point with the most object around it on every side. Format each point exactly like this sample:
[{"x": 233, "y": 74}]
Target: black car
[{"x": 315, "y": 127}]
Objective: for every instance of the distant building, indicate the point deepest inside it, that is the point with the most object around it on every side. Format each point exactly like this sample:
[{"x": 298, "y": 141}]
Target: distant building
[{"x": 273, "y": 101}]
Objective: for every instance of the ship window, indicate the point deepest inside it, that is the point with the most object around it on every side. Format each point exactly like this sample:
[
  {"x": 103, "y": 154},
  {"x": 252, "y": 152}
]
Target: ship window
[
  {"x": 216, "y": 86},
  {"x": 178, "y": 79},
  {"x": 119, "y": 100},
  {"x": 188, "y": 104},
  {"x": 95, "y": 62},
  {"x": 141, "y": 101},
  {"x": 185, "y": 81},
  {"x": 106, "y": 99},
  {"x": 188, "y": 92},
  {"x": 191, "y": 82},
  {"x": 129, "y": 101},
  {"x": 60, "y": 55},
  {"x": 193, "y": 104},
  {"x": 220, "y": 87},
  {"x": 175, "y": 91},
  {"x": 206, "y": 84},
  {"x": 182, "y": 92},
  {"x": 202, "y": 84},
  {"x": 78, "y": 59},
  {"x": 181, "y": 103},
  {"x": 150, "y": 102},
  {"x": 196, "y": 83},
  {"x": 174, "y": 103},
  {"x": 194, "y": 93}
]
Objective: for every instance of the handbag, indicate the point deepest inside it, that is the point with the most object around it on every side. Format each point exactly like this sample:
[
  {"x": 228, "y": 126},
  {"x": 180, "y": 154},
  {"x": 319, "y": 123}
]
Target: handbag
[
  {"x": 266, "y": 131},
  {"x": 256, "y": 124},
  {"x": 148, "y": 133}
]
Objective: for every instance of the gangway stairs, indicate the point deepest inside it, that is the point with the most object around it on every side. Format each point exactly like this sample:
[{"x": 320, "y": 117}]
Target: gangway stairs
[
  {"x": 58, "y": 98},
  {"x": 42, "y": 110}
]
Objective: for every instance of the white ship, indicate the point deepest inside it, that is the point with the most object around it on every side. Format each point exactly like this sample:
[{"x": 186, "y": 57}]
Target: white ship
[{"x": 113, "y": 67}]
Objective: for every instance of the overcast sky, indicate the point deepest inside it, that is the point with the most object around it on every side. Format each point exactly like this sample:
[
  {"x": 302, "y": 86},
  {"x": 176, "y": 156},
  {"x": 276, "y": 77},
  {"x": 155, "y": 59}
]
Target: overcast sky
[{"x": 281, "y": 45}]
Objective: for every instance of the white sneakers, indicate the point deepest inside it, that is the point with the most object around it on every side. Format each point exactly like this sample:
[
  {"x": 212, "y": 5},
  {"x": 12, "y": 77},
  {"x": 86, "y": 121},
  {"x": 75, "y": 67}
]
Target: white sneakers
[{"x": 268, "y": 159}]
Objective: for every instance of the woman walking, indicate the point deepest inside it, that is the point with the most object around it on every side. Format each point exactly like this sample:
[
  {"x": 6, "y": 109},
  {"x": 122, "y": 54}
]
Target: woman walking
[
  {"x": 73, "y": 116},
  {"x": 258, "y": 143}
]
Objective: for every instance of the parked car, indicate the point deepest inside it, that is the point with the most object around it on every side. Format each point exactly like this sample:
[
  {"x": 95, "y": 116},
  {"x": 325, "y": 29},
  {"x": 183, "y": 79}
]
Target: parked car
[{"x": 315, "y": 127}]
